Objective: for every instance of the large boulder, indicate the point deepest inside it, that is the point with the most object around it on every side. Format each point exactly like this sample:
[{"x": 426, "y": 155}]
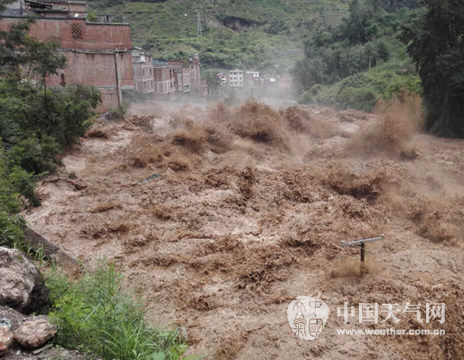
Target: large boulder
[
  {"x": 34, "y": 332},
  {"x": 6, "y": 339},
  {"x": 21, "y": 285},
  {"x": 9, "y": 320}
]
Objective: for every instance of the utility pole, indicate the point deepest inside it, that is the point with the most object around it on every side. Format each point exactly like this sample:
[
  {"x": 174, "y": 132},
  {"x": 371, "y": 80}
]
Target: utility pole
[{"x": 199, "y": 28}]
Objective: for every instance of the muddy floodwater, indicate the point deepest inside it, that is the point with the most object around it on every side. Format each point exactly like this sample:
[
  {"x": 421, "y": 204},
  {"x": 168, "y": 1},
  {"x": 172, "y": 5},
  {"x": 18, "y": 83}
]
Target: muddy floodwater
[{"x": 220, "y": 217}]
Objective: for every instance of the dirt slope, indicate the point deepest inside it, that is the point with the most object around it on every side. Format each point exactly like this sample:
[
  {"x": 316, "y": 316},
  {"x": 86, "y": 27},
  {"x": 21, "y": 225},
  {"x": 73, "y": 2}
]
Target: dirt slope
[{"x": 220, "y": 217}]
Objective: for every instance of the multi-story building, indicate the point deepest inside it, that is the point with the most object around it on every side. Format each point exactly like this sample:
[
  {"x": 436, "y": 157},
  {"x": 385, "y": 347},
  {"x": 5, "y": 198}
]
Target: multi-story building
[
  {"x": 164, "y": 78},
  {"x": 143, "y": 71},
  {"x": 97, "y": 53},
  {"x": 235, "y": 78},
  {"x": 178, "y": 76},
  {"x": 182, "y": 80},
  {"x": 252, "y": 74}
]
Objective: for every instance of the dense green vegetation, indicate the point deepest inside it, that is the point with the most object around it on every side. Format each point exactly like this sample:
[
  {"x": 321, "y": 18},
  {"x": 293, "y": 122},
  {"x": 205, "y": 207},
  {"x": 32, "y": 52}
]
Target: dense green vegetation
[
  {"x": 436, "y": 44},
  {"x": 362, "y": 59},
  {"x": 96, "y": 316},
  {"x": 36, "y": 123},
  {"x": 362, "y": 90}
]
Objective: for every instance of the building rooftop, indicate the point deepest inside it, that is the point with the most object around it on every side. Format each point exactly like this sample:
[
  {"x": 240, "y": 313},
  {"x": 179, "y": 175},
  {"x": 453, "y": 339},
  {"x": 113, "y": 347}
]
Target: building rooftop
[
  {"x": 160, "y": 63},
  {"x": 57, "y": 9}
]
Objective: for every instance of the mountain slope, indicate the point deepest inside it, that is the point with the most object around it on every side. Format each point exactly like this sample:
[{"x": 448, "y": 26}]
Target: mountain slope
[{"x": 246, "y": 33}]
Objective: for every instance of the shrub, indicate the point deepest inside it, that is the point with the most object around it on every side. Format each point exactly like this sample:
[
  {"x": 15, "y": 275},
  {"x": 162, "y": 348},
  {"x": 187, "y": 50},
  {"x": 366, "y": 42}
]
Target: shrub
[
  {"x": 11, "y": 230},
  {"x": 23, "y": 183},
  {"x": 95, "y": 315},
  {"x": 34, "y": 155},
  {"x": 67, "y": 113},
  {"x": 36, "y": 125},
  {"x": 8, "y": 197}
]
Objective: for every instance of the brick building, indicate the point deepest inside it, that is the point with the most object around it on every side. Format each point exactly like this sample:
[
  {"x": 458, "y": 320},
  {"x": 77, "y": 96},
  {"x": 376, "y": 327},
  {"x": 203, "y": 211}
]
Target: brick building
[
  {"x": 164, "y": 78},
  {"x": 143, "y": 71},
  {"x": 178, "y": 77},
  {"x": 98, "y": 53},
  {"x": 182, "y": 79}
]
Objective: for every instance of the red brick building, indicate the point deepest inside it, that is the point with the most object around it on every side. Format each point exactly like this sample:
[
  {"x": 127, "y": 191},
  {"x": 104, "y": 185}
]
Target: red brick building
[
  {"x": 164, "y": 79},
  {"x": 182, "y": 78},
  {"x": 98, "y": 53}
]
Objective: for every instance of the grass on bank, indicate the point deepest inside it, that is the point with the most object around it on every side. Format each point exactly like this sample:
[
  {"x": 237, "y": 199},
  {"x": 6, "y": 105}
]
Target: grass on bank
[{"x": 96, "y": 316}]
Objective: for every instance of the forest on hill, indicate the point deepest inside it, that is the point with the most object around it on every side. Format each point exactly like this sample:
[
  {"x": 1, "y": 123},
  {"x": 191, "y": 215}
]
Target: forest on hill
[{"x": 363, "y": 59}]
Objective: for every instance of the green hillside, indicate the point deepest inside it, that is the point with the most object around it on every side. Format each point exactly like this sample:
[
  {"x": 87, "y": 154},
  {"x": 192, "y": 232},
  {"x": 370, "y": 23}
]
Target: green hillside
[
  {"x": 362, "y": 60},
  {"x": 235, "y": 33}
]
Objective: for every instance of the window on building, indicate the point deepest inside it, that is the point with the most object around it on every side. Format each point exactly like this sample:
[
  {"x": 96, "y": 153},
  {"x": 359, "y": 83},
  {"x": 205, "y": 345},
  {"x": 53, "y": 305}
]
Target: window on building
[{"x": 77, "y": 31}]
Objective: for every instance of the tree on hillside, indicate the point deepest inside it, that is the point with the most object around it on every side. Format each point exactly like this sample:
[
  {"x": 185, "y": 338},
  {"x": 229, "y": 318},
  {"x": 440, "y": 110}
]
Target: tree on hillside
[
  {"x": 358, "y": 27},
  {"x": 3, "y": 4},
  {"x": 19, "y": 52},
  {"x": 352, "y": 47},
  {"x": 395, "y": 5},
  {"x": 437, "y": 48}
]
